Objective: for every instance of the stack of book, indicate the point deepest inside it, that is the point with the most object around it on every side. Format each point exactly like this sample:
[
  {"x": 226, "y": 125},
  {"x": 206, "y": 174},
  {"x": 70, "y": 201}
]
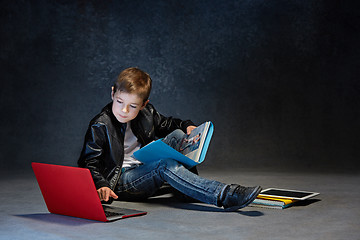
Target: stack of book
[
  {"x": 280, "y": 198},
  {"x": 272, "y": 202}
]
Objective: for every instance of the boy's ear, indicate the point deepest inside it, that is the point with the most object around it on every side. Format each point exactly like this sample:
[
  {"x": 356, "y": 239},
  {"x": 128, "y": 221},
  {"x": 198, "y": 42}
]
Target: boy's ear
[
  {"x": 144, "y": 105},
  {"x": 112, "y": 92}
]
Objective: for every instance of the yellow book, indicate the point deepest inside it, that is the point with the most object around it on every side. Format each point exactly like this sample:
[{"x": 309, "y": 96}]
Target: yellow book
[
  {"x": 284, "y": 200},
  {"x": 272, "y": 202}
]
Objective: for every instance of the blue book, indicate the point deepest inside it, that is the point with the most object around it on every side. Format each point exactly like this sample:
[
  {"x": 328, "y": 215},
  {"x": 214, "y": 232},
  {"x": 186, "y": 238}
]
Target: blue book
[{"x": 192, "y": 149}]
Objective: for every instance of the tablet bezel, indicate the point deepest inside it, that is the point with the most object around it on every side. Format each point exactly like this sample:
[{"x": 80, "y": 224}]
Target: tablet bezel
[{"x": 309, "y": 194}]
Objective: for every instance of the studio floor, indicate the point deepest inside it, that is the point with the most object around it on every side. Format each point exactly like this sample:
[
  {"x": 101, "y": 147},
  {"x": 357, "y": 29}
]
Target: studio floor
[{"x": 334, "y": 214}]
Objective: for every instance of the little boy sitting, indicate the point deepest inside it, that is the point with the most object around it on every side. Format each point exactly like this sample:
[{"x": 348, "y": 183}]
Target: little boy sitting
[{"x": 130, "y": 122}]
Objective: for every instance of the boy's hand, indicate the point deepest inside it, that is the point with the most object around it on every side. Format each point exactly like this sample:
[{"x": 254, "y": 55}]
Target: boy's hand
[
  {"x": 105, "y": 193},
  {"x": 189, "y": 129}
]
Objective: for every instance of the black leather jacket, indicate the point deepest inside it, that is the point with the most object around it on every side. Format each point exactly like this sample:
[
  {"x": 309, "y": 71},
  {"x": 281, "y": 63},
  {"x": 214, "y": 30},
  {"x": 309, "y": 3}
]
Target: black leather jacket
[{"x": 103, "y": 150}]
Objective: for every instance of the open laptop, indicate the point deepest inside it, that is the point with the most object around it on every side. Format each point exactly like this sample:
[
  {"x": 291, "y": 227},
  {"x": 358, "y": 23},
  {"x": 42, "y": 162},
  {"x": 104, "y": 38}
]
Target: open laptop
[{"x": 71, "y": 191}]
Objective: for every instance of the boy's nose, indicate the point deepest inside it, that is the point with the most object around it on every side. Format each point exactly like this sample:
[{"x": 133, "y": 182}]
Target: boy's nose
[{"x": 125, "y": 109}]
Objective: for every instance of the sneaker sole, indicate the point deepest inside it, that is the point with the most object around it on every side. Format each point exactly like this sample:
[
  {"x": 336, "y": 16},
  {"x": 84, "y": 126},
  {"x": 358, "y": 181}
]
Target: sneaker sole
[{"x": 251, "y": 199}]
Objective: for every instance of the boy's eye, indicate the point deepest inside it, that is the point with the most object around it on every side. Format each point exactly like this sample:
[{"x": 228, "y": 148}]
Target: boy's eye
[{"x": 132, "y": 106}]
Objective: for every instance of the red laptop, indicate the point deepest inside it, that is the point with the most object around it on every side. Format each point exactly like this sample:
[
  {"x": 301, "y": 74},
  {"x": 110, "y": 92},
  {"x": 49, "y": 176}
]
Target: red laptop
[{"x": 71, "y": 191}]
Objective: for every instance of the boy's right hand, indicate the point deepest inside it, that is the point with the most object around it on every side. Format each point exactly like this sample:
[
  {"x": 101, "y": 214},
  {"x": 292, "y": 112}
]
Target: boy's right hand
[{"x": 105, "y": 193}]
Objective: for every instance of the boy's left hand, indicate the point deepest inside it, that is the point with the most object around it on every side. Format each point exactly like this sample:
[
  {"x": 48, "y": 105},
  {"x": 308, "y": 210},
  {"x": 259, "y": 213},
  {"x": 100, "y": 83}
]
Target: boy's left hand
[
  {"x": 105, "y": 193},
  {"x": 189, "y": 129}
]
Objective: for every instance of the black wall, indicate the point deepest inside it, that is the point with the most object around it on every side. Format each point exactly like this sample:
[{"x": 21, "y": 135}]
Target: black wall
[{"x": 279, "y": 79}]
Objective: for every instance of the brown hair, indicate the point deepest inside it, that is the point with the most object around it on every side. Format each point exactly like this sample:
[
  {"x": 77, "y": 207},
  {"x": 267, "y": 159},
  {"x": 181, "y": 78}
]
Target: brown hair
[{"x": 134, "y": 80}]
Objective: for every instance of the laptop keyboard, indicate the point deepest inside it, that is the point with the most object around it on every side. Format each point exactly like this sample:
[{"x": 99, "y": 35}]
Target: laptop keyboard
[{"x": 112, "y": 214}]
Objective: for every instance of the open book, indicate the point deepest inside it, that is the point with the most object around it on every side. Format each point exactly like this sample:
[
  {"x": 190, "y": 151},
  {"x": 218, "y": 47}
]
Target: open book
[{"x": 192, "y": 149}]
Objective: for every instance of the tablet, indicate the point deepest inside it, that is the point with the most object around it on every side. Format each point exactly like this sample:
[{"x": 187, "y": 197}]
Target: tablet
[{"x": 287, "y": 193}]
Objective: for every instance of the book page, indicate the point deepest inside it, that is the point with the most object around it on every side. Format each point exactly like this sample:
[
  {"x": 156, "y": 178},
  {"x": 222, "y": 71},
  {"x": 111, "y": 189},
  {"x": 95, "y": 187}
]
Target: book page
[{"x": 191, "y": 145}]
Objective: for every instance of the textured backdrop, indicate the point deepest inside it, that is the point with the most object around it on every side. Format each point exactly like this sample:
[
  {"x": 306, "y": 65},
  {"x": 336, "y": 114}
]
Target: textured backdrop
[{"x": 279, "y": 79}]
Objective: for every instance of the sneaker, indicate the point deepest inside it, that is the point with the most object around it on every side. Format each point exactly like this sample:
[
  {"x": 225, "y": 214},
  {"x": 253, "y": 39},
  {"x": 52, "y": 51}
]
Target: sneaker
[{"x": 238, "y": 197}]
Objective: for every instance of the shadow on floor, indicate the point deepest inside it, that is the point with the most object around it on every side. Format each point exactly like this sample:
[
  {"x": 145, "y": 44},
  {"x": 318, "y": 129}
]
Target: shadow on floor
[
  {"x": 57, "y": 219},
  {"x": 170, "y": 197},
  {"x": 195, "y": 206}
]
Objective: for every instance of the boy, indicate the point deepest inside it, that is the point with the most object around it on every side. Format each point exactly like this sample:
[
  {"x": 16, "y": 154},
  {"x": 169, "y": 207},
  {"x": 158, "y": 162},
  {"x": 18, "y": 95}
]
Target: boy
[{"x": 130, "y": 122}]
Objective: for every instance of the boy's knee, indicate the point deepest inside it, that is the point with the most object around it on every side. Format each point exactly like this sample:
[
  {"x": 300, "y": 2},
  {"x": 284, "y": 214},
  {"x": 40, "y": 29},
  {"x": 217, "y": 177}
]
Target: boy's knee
[
  {"x": 174, "y": 138},
  {"x": 178, "y": 133}
]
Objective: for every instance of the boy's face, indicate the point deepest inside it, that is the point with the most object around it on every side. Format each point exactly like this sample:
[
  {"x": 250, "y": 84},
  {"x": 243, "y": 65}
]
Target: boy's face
[{"x": 126, "y": 106}]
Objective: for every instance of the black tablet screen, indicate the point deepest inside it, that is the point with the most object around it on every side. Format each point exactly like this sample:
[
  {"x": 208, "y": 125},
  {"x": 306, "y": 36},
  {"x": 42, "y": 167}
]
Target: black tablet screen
[{"x": 285, "y": 193}]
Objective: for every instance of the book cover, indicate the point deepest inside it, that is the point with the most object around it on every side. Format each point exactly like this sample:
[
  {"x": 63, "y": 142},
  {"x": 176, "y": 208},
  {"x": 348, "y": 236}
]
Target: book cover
[{"x": 192, "y": 149}]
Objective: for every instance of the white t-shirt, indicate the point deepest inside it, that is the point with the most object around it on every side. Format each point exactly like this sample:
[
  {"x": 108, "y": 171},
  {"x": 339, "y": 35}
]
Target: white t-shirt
[{"x": 131, "y": 145}]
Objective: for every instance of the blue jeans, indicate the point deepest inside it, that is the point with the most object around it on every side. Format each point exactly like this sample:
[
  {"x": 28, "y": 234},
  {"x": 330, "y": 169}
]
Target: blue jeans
[{"x": 143, "y": 181}]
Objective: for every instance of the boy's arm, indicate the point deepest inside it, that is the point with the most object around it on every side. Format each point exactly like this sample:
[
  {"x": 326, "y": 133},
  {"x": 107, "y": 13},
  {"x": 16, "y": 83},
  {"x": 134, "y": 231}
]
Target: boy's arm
[
  {"x": 165, "y": 125},
  {"x": 93, "y": 152}
]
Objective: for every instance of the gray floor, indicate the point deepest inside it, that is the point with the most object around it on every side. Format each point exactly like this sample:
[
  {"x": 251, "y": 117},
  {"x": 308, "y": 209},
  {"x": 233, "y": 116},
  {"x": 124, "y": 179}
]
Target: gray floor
[{"x": 335, "y": 214}]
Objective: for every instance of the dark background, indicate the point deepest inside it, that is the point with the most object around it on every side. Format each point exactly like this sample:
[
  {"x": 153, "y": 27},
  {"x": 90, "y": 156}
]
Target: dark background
[{"x": 279, "y": 79}]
